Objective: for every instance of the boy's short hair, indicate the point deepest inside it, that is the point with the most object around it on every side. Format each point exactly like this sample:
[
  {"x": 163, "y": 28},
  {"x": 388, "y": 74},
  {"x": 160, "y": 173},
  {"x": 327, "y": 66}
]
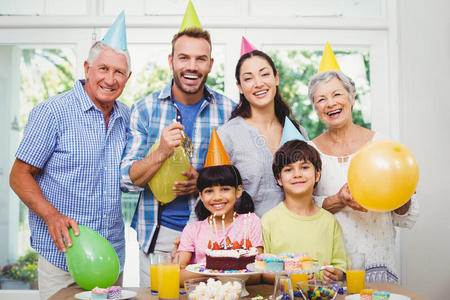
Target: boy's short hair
[
  {"x": 194, "y": 33},
  {"x": 293, "y": 151}
]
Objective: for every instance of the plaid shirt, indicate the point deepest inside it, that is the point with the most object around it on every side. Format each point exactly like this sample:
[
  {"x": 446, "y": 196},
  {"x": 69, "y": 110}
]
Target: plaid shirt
[
  {"x": 149, "y": 116},
  {"x": 79, "y": 164}
]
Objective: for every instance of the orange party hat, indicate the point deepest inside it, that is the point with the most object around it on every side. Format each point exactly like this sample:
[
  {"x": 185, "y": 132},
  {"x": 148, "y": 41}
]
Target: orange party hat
[{"x": 217, "y": 156}]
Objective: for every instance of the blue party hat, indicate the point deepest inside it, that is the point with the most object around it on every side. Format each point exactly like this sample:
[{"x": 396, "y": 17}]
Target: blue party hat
[
  {"x": 116, "y": 37},
  {"x": 290, "y": 132}
]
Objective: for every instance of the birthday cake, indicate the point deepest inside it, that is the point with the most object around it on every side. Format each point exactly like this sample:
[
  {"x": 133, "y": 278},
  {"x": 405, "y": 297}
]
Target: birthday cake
[
  {"x": 230, "y": 259},
  {"x": 230, "y": 255}
]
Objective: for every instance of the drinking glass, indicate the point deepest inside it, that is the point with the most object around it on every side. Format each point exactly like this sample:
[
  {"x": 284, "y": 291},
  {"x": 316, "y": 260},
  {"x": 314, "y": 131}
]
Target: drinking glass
[
  {"x": 298, "y": 278},
  {"x": 356, "y": 273},
  {"x": 168, "y": 277},
  {"x": 154, "y": 263}
]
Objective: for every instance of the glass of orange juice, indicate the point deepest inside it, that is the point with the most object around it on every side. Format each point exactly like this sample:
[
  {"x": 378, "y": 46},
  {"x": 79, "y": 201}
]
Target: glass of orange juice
[
  {"x": 168, "y": 277},
  {"x": 154, "y": 262},
  {"x": 297, "y": 278},
  {"x": 356, "y": 273}
]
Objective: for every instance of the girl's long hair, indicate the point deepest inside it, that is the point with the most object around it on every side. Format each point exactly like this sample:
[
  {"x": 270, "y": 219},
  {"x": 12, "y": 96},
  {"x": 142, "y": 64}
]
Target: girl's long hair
[
  {"x": 220, "y": 176},
  {"x": 243, "y": 109}
]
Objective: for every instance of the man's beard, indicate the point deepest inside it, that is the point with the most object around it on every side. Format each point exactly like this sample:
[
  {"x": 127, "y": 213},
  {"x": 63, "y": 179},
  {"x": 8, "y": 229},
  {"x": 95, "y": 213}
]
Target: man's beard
[{"x": 178, "y": 83}]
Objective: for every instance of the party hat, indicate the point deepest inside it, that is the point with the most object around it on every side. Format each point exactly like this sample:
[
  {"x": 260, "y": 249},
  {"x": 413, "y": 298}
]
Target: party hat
[
  {"x": 290, "y": 132},
  {"x": 217, "y": 156},
  {"x": 328, "y": 62},
  {"x": 116, "y": 37},
  {"x": 190, "y": 19},
  {"x": 246, "y": 47}
]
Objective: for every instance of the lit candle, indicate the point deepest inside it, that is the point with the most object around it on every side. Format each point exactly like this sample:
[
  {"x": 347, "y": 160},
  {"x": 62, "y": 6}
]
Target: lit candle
[
  {"x": 234, "y": 225},
  {"x": 211, "y": 231},
  {"x": 224, "y": 235},
  {"x": 215, "y": 226},
  {"x": 245, "y": 230},
  {"x": 248, "y": 230}
]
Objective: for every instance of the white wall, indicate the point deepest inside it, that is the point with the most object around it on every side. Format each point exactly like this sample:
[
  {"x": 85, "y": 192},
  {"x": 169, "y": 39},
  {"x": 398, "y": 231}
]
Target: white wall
[
  {"x": 9, "y": 102},
  {"x": 424, "y": 65}
]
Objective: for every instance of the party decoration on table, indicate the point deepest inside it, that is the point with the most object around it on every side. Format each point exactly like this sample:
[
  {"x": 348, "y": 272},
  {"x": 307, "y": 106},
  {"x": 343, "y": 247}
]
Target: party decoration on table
[
  {"x": 190, "y": 19},
  {"x": 217, "y": 156},
  {"x": 246, "y": 47},
  {"x": 328, "y": 62},
  {"x": 162, "y": 182},
  {"x": 290, "y": 132},
  {"x": 92, "y": 261},
  {"x": 116, "y": 37},
  {"x": 383, "y": 175}
]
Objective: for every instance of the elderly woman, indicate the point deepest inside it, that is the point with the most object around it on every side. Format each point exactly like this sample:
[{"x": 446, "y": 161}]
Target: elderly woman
[
  {"x": 372, "y": 233},
  {"x": 254, "y": 131}
]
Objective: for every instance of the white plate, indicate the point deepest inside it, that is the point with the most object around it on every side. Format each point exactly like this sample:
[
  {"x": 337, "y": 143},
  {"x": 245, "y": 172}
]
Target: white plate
[
  {"x": 315, "y": 268},
  {"x": 393, "y": 297},
  {"x": 200, "y": 269},
  {"x": 87, "y": 295}
]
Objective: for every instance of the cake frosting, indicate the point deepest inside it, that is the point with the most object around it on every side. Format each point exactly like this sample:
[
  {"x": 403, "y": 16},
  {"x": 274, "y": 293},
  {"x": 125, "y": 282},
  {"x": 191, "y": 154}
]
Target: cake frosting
[
  {"x": 284, "y": 262},
  {"x": 230, "y": 259}
]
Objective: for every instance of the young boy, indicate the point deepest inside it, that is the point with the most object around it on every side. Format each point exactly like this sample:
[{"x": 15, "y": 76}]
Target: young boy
[{"x": 297, "y": 225}]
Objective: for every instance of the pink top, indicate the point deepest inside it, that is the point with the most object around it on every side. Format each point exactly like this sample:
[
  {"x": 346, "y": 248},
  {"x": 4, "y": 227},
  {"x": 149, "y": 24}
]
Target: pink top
[{"x": 196, "y": 235}]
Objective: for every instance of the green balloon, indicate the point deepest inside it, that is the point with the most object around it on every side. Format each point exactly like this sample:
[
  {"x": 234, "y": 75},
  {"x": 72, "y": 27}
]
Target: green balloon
[
  {"x": 91, "y": 260},
  {"x": 161, "y": 183}
]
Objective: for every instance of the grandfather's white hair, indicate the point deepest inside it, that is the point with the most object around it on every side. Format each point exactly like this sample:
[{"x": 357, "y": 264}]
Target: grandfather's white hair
[
  {"x": 324, "y": 77},
  {"x": 97, "y": 48}
]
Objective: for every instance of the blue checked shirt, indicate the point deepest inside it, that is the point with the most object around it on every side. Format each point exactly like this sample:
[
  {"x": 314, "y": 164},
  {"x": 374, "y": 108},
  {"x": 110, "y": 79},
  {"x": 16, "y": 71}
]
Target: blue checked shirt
[
  {"x": 79, "y": 160},
  {"x": 149, "y": 116}
]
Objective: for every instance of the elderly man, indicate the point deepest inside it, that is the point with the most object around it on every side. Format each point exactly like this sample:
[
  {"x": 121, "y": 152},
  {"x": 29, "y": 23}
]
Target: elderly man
[
  {"x": 67, "y": 165},
  {"x": 197, "y": 110}
]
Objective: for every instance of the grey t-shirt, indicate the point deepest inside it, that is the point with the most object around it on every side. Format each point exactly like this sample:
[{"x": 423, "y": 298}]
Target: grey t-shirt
[{"x": 248, "y": 152}]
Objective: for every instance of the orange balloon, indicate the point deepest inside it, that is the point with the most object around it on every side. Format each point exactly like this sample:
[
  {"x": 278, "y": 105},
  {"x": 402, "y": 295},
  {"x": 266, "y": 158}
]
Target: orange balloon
[{"x": 383, "y": 175}]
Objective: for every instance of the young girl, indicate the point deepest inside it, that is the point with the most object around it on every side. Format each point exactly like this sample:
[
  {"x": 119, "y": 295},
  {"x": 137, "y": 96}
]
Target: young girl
[{"x": 221, "y": 194}]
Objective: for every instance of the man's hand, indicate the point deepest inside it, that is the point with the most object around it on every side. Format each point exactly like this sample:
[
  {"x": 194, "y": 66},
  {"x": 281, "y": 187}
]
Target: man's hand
[
  {"x": 188, "y": 186},
  {"x": 171, "y": 138},
  {"x": 58, "y": 226}
]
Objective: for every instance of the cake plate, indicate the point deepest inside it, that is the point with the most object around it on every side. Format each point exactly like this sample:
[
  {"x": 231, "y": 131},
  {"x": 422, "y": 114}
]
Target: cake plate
[
  {"x": 283, "y": 280},
  {"x": 242, "y": 274}
]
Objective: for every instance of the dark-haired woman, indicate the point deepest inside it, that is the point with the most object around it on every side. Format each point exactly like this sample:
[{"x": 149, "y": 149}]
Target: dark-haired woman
[
  {"x": 253, "y": 133},
  {"x": 224, "y": 203}
]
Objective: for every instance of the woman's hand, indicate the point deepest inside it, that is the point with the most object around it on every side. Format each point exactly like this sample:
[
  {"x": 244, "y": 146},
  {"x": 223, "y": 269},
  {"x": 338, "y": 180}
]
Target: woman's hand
[
  {"x": 342, "y": 199},
  {"x": 404, "y": 208}
]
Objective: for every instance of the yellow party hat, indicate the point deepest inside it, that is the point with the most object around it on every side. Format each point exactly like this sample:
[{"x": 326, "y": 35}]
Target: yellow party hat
[
  {"x": 217, "y": 156},
  {"x": 190, "y": 19},
  {"x": 328, "y": 62}
]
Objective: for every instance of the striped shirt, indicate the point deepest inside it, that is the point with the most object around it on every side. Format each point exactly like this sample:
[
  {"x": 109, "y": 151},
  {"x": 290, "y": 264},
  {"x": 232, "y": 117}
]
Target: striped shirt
[
  {"x": 79, "y": 162},
  {"x": 149, "y": 116}
]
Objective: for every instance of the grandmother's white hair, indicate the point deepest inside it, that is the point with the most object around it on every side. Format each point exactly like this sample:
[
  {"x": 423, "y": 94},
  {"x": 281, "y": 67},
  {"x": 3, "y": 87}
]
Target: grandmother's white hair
[
  {"x": 97, "y": 48},
  {"x": 324, "y": 77}
]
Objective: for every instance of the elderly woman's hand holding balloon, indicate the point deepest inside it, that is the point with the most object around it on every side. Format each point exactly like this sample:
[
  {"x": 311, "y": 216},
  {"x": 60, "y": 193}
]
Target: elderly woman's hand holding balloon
[{"x": 340, "y": 200}]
